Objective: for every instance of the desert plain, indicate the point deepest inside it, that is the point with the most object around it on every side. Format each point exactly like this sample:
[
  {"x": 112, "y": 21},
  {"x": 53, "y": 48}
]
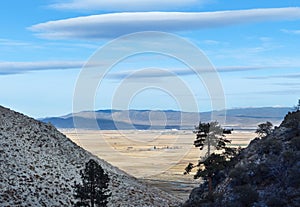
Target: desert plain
[{"x": 157, "y": 157}]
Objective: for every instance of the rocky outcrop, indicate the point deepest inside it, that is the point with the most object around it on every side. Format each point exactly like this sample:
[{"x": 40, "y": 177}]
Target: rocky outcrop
[
  {"x": 39, "y": 165},
  {"x": 266, "y": 173}
]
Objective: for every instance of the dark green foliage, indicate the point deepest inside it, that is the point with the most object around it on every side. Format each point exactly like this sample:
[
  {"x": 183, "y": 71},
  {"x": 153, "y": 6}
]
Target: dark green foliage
[
  {"x": 264, "y": 129},
  {"x": 211, "y": 135},
  {"x": 236, "y": 172},
  {"x": 261, "y": 174},
  {"x": 270, "y": 146},
  {"x": 293, "y": 176},
  {"x": 94, "y": 188},
  {"x": 201, "y": 132},
  {"x": 239, "y": 176},
  {"x": 297, "y": 107},
  {"x": 246, "y": 195},
  {"x": 295, "y": 142},
  {"x": 275, "y": 201},
  {"x": 213, "y": 164},
  {"x": 276, "y": 147},
  {"x": 289, "y": 158},
  {"x": 248, "y": 174},
  {"x": 188, "y": 168}
]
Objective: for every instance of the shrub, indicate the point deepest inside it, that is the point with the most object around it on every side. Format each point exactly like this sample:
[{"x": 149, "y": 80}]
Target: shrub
[
  {"x": 275, "y": 202},
  {"x": 294, "y": 178},
  {"x": 239, "y": 176},
  {"x": 246, "y": 195},
  {"x": 295, "y": 142},
  {"x": 289, "y": 157},
  {"x": 235, "y": 173},
  {"x": 270, "y": 146}
]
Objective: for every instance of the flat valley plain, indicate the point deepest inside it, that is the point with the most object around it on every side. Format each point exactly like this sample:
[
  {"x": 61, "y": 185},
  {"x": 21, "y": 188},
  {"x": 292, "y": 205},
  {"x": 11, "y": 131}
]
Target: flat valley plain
[{"x": 153, "y": 156}]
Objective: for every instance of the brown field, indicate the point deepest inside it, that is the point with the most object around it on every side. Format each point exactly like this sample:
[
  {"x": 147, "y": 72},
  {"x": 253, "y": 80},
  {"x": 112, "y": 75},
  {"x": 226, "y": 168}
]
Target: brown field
[{"x": 157, "y": 157}]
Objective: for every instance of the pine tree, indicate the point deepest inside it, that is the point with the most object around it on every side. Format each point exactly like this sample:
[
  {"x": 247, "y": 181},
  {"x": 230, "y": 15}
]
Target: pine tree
[
  {"x": 264, "y": 129},
  {"x": 211, "y": 136},
  {"x": 94, "y": 188},
  {"x": 297, "y": 107}
]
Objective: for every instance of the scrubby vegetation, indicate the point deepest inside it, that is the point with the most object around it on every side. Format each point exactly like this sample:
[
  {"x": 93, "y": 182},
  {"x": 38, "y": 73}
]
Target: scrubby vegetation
[{"x": 266, "y": 173}]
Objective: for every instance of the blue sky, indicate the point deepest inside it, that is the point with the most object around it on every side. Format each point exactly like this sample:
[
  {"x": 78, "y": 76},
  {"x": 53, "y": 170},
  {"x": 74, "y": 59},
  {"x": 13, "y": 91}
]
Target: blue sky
[{"x": 254, "y": 46}]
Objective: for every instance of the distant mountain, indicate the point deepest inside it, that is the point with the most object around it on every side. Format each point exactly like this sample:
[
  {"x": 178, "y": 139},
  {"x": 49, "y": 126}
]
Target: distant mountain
[
  {"x": 39, "y": 165},
  {"x": 167, "y": 119}
]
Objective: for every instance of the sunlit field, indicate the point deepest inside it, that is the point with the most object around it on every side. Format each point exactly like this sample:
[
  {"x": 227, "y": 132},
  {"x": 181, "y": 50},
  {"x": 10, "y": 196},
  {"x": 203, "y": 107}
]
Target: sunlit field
[{"x": 157, "y": 157}]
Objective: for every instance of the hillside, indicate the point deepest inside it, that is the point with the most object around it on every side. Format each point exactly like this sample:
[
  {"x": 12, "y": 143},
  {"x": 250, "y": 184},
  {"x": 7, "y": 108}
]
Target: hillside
[
  {"x": 38, "y": 167},
  {"x": 265, "y": 174},
  {"x": 168, "y": 119}
]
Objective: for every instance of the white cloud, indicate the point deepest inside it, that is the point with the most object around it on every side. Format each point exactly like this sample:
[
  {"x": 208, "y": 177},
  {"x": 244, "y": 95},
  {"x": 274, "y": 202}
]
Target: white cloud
[
  {"x": 289, "y": 76},
  {"x": 150, "y": 73},
  {"x": 8, "y": 42},
  {"x": 116, "y": 24},
  {"x": 8, "y": 68},
  {"x": 296, "y": 32},
  {"x": 164, "y": 72},
  {"x": 128, "y": 5},
  {"x": 211, "y": 42}
]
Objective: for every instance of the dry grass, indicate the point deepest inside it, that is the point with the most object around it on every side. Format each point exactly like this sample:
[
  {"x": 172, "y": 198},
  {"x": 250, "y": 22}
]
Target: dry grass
[{"x": 158, "y": 157}]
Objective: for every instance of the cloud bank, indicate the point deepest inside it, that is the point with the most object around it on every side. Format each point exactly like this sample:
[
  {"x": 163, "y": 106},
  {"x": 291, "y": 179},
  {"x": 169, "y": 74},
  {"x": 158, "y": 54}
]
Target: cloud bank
[
  {"x": 289, "y": 76},
  {"x": 164, "y": 72},
  {"x": 296, "y": 32},
  {"x": 128, "y": 5},
  {"x": 9, "y": 68},
  {"x": 116, "y": 24}
]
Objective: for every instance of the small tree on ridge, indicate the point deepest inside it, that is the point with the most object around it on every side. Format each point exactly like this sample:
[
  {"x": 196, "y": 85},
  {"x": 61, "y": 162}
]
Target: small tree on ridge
[
  {"x": 94, "y": 188},
  {"x": 264, "y": 129},
  {"x": 297, "y": 107},
  {"x": 211, "y": 135}
]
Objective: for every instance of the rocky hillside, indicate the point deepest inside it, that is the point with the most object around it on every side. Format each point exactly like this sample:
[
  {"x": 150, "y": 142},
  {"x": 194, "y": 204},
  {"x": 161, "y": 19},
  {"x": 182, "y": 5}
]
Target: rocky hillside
[
  {"x": 265, "y": 174},
  {"x": 38, "y": 167}
]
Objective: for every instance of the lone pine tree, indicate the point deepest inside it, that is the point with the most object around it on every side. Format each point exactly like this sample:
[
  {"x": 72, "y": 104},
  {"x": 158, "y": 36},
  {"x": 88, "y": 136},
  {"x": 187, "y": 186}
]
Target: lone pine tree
[
  {"x": 211, "y": 135},
  {"x": 264, "y": 129},
  {"x": 94, "y": 188}
]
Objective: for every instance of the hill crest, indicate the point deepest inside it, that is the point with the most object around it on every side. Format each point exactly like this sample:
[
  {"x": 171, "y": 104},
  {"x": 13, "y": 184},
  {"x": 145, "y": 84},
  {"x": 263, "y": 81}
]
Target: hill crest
[{"x": 39, "y": 165}]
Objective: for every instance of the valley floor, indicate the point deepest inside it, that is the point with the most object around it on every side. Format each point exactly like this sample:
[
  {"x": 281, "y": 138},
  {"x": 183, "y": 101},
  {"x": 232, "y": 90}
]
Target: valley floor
[{"x": 155, "y": 157}]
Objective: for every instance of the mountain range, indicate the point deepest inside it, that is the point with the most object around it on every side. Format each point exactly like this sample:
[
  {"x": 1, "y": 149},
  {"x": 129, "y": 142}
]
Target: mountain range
[{"x": 167, "y": 119}]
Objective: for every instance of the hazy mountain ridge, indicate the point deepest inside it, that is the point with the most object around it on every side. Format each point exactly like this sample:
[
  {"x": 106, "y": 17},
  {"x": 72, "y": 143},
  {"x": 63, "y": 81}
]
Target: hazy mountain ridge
[
  {"x": 266, "y": 173},
  {"x": 38, "y": 167},
  {"x": 147, "y": 119}
]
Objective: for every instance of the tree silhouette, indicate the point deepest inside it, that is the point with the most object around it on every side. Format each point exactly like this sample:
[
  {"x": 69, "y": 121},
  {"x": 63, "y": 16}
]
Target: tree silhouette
[
  {"x": 93, "y": 190},
  {"x": 211, "y": 135},
  {"x": 264, "y": 129},
  {"x": 297, "y": 107}
]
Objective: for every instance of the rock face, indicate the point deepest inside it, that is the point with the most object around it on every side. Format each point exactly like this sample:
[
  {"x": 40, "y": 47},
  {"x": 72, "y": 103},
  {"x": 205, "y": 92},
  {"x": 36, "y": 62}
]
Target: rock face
[
  {"x": 266, "y": 173},
  {"x": 39, "y": 165}
]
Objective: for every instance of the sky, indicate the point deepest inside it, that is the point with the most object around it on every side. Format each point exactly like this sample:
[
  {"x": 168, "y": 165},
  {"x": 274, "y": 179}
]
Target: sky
[{"x": 63, "y": 56}]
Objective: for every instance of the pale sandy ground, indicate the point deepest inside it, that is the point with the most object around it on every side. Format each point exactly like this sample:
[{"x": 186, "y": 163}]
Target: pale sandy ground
[{"x": 157, "y": 157}]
